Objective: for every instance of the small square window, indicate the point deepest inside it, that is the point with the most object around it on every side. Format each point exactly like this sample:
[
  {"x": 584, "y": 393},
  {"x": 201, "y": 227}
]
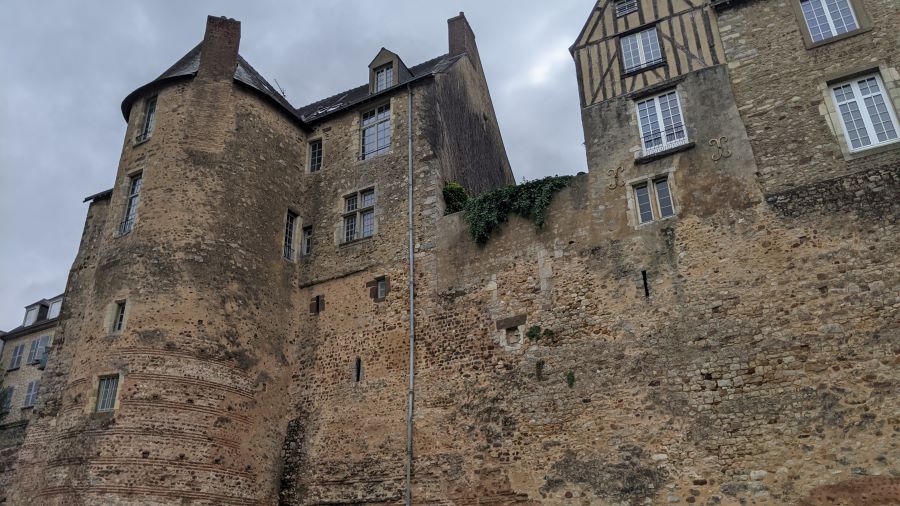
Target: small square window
[
  {"x": 119, "y": 319},
  {"x": 867, "y": 115},
  {"x": 380, "y": 288},
  {"x": 317, "y": 304},
  {"x": 106, "y": 393},
  {"x": 315, "y": 155}
]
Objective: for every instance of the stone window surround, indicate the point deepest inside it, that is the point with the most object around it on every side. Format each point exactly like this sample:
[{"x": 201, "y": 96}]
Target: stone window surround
[
  {"x": 862, "y": 18},
  {"x": 339, "y": 233},
  {"x": 292, "y": 223},
  {"x": 828, "y": 109},
  {"x": 358, "y": 123},
  {"x": 90, "y": 407},
  {"x": 633, "y": 212},
  {"x": 110, "y": 318}
]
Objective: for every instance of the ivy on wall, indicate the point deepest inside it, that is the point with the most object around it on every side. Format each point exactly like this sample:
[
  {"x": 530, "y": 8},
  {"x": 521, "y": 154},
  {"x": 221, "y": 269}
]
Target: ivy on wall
[{"x": 486, "y": 212}]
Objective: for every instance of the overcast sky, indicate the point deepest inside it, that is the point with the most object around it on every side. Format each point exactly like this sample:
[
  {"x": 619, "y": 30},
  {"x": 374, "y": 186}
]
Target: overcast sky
[{"x": 67, "y": 66}]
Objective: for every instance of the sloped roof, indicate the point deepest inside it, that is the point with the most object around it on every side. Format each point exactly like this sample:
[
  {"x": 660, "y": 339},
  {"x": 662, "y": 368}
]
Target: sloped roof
[
  {"x": 327, "y": 106},
  {"x": 188, "y": 65}
]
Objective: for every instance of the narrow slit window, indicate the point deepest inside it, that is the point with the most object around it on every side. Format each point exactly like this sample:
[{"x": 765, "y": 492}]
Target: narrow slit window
[
  {"x": 290, "y": 225},
  {"x": 646, "y": 285},
  {"x": 357, "y": 370},
  {"x": 119, "y": 319},
  {"x": 867, "y": 116},
  {"x": 106, "y": 393},
  {"x": 131, "y": 204}
]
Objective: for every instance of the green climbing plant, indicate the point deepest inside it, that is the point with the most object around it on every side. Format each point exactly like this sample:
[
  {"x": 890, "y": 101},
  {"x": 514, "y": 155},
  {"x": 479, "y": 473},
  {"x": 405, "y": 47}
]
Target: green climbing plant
[
  {"x": 486, "y": 212},
  {"x": 570, "y": 379},
  {"x": 455, "y": 197}
]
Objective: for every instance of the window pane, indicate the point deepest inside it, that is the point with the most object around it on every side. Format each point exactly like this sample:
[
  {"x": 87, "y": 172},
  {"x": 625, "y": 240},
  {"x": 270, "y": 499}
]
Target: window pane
[
  {"x": 881, "y": 119},
  {"x": 349, "y": 228},
  {"x": 289, "y": 226},
  {"x": 30, "y": 316},
  {"x": 853, "y": 123},
  {"x": 368, "y": 198},
  {"x": 368, "y": 223},
  {"x": 643, "y": 198},
  {"x": 631, "y": 58},
  {"x": 307, "y": 240},
  {"x": 649, "y": 124},
  {"x": 650, "y": 43},
  {"x": 32, "y": 351},
  {"x": 106, "y": 393},
  {"x": 664, "y": 198},
  {"x": 350, "y": 203},
  {"x": 816, "y": 20},
  {"x": 315, "y": 156},
  {"x": 624, "y": 7},
  {"x": 841, "y": 16}
]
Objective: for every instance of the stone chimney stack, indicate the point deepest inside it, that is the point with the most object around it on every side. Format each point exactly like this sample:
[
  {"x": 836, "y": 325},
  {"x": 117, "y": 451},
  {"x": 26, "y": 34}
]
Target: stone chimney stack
[
  {"x": 219, "y": 53},
  {"x": 462, "y": 39}
]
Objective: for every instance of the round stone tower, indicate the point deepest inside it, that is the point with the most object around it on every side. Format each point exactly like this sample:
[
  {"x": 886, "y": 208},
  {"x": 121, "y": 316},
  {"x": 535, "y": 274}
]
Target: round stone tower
[{"x": 172, "y": 371}]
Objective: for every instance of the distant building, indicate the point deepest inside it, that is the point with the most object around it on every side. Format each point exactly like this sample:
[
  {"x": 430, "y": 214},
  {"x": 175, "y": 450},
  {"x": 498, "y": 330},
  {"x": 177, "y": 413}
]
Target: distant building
[{"x": 23, "y": 358}]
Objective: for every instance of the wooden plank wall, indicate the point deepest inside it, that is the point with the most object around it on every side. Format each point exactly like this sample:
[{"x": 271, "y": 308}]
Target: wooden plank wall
[{"x": 688, "y": 37}]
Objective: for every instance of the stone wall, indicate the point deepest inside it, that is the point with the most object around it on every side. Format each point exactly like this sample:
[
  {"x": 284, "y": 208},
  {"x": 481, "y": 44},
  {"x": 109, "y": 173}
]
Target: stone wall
[{"x": 782, "y": 93}]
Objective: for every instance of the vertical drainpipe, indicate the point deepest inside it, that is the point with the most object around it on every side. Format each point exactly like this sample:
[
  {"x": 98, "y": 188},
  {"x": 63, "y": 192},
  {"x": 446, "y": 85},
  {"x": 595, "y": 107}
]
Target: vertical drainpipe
[{"x": 412, "y": 304}]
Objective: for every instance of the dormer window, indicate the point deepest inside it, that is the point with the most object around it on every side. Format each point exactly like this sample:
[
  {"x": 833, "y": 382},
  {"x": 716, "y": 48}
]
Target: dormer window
[
  {"x": 384, "y": 77},
  {"x": 54, "y": 309},
  {"x": 30, "y": 316}
]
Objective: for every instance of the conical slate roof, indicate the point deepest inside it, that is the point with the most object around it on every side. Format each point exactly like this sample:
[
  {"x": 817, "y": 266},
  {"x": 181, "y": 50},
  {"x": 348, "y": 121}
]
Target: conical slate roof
[{"x": 187, "y": 67}]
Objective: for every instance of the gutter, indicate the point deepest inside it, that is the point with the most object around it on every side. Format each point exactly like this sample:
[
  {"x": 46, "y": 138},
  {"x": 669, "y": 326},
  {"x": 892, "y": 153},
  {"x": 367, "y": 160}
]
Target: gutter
[{"x": 412, "y": 303}]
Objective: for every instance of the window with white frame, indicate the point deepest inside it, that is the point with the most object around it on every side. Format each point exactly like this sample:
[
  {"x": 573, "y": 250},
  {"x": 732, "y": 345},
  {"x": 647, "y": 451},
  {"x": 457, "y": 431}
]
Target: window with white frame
[
  {"x": 55, "y": 306},
  {"x": 359, "y": 215},
  {"x": 866, "y": 113},
  {"x": 661, "y": 123},
  {"x": 43, "y": 344},
  {"x": 30, "y": 316},
  {"x": 376, "y": 131},
  {"x": 384, "y": 77},
  {"x": 32, "y": 351},
  {"x": 653, "y": 199},
  {"x": 15, "y": 360},
  {"x": 31, "y": 394},
  {"x": 828, "y": 18},
  {"x": 149, "y": 120},
  {"x": 6, "y": 397},
  {"x": 106, "y": 393},
  {"x": 625, "y": 7},
  {"x": 131, "y": 204},
  {"x": 640, "y": 50}
]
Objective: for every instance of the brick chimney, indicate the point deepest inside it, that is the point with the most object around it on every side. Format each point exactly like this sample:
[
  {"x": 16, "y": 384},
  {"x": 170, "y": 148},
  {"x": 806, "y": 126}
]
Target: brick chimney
[
  {"x": 462, "y": 39},
  {"x": 219, "y": 53}
]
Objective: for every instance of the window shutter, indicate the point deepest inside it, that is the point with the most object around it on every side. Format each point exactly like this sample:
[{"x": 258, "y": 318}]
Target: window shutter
[
  {"x": 321, "y": 303},
  {"x": 32, "y": 351},
  {"x": 313, "y": 305}
]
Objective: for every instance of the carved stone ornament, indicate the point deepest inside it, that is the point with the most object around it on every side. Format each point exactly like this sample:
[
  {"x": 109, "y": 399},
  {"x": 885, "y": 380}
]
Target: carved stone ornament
[{"x": 722, "y": 150}]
